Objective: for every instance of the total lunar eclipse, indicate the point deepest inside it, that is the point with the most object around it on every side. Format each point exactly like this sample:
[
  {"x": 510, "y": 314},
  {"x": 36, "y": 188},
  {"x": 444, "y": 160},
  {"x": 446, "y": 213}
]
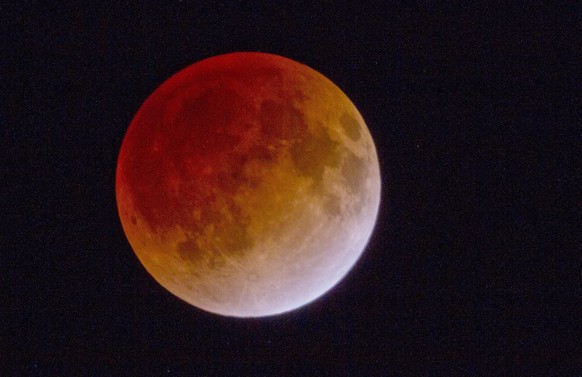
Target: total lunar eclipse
[{"x": 248, "y": 184}]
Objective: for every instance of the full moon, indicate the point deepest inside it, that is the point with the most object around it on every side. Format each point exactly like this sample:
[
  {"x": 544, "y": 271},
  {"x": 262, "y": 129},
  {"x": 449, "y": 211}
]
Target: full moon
[{"x": 248, "y": 184}]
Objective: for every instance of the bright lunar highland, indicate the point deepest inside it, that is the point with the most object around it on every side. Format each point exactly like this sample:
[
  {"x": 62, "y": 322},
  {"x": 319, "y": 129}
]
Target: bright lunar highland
[{"x": 248, "y": 184}]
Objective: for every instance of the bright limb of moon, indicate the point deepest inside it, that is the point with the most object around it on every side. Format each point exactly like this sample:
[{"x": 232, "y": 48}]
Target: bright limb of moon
[{"x": 248, "y": 184}]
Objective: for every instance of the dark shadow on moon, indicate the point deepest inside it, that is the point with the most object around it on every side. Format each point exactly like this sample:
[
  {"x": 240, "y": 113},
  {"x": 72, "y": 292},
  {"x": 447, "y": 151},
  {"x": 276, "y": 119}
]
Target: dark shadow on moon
[{"x": 351, "y": 126}]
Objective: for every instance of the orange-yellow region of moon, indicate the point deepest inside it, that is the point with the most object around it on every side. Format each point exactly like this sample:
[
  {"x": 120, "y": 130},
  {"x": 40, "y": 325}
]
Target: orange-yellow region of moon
[{"x": 248, "y": 184}]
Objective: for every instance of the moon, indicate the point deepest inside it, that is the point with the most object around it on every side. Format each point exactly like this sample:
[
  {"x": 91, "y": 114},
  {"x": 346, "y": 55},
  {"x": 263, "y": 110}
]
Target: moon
[{"x": 248, "y": 184}]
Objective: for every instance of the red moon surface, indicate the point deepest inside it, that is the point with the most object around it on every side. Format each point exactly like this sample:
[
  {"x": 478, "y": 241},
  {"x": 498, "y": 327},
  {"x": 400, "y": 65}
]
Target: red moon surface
[{"x": 248, "y": 184}]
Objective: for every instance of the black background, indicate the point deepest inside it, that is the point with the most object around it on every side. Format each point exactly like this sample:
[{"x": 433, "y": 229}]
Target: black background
[{"x": 474, "y": 266}]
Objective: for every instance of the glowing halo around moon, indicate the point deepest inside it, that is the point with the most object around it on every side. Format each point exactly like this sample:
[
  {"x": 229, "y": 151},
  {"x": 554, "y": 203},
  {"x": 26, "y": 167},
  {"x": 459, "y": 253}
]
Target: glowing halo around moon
[{"x": 248, "y": 184}]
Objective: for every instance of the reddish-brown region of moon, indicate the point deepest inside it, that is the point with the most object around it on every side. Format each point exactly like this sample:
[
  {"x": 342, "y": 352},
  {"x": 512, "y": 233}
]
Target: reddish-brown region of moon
[{"x": 248, "y": 184}]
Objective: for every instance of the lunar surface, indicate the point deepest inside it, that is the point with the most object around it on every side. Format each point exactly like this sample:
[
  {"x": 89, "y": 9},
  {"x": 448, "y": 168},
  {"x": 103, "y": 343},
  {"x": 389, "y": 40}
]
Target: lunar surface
[{"x": 248, "y": 184}]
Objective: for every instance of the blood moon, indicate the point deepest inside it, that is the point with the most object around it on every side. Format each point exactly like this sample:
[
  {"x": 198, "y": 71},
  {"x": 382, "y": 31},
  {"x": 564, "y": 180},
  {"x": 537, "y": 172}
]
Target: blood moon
[{"x": 248, "y": 184}]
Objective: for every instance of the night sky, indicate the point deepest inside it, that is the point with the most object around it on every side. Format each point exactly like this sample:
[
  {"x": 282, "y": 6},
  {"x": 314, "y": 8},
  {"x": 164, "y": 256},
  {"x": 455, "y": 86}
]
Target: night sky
[{"x": 474, "y": 265}]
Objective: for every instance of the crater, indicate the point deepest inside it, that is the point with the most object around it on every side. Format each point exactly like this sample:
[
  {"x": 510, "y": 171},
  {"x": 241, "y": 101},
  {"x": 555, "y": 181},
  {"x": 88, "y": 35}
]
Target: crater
[
  {"x": 220, "y": 228},
  {"x": 351, "y": 126},
  {"x": 202, "y": 123},
  {"x": 237, "y": 239},
  {"x": 281, "y": 121},
  {"x": 189, "y": 250},
  {"x": 313, "y": 153},
  {"x": 355, "y": 172},
  {"x": 332, "y": 205}
]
